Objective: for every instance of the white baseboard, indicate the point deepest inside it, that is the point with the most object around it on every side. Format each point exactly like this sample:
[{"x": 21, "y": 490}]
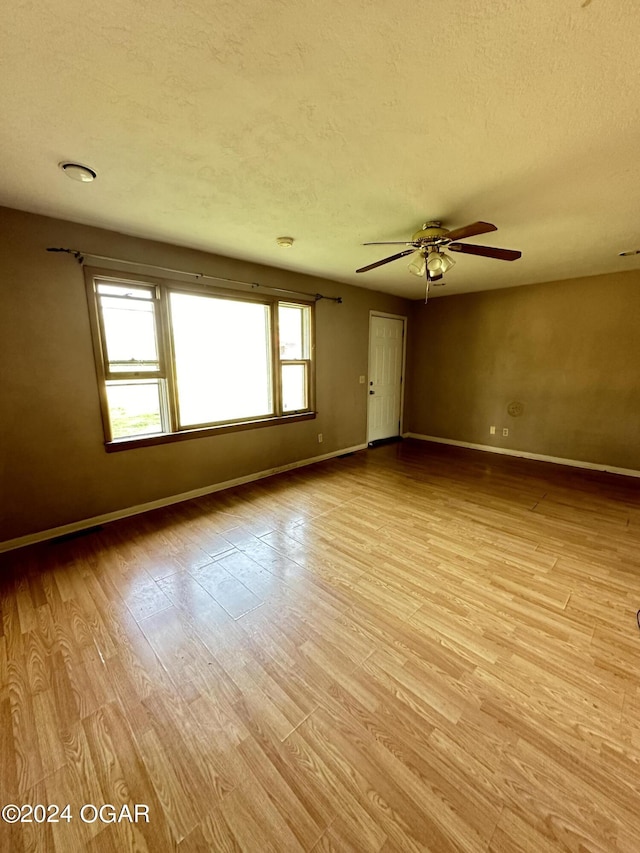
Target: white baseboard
[
  {"x": 541, "y": 457},
  {"x": 96, "y": 520}
]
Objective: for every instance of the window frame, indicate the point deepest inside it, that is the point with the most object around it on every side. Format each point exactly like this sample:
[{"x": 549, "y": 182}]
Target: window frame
[
  {"x": 161, "y": 289},
  {"x": 305, "y": 361}
]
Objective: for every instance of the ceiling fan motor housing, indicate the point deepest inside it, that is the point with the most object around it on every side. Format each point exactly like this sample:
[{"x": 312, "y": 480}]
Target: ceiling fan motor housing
[{"x": 431, "y": 232}]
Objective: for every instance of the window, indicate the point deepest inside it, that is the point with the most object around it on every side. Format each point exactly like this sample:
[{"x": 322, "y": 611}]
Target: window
[
  {"x": 295, "y": 358},
  {"x": 175, "y": 361},
  {"x": 222, "y": 359}
]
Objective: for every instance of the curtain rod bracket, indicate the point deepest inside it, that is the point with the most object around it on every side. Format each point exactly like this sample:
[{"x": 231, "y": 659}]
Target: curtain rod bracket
[{"x": 337, "y": 299}]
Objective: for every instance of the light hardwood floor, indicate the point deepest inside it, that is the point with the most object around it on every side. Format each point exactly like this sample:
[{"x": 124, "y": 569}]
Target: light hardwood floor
[{"x": 411, "y": 648}]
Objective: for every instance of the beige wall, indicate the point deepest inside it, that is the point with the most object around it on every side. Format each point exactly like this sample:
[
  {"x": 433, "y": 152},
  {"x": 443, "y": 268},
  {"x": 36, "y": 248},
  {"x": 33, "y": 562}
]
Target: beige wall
[
  {"x": 568, "y": 350},
  {"x": 53, "y": 466}
]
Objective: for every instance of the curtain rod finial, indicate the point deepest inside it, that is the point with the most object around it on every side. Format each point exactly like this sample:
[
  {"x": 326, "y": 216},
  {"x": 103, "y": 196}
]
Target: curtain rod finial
[{"x": 76, "y": 254}]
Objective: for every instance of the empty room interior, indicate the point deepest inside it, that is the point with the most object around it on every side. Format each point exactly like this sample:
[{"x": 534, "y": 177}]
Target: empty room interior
[{"x": 319, "y": 427}]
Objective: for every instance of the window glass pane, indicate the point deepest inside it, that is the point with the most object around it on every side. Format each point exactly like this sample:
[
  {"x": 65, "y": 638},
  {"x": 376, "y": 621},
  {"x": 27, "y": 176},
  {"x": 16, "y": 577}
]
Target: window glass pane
[
  {"x": 130, "y": 332},
  {"x": 134, "y": 408},
  {"x": 125, "y": 290},
  {"x": 291, "y": 322},
  {"x": 294, "y": 387},
  {"x": 223, "y": 365}
]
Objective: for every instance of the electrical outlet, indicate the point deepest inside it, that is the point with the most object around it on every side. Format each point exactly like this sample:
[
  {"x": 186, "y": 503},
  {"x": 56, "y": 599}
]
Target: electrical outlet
[
  {"x": 319, "y": 438},
  {"x": 492, "y": 430},
  {"x": 505, "y": 431},
  {"x": 363, "y": 379}
]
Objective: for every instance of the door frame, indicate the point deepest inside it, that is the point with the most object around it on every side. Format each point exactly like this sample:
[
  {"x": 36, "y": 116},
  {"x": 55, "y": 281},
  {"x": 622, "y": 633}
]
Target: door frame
[{"x": 403, "y": 376}]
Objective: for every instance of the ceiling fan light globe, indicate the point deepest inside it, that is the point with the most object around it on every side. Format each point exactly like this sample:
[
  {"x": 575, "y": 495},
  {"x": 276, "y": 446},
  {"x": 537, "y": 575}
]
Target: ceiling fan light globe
[
  {"x": 438, "y": 263},
  {"x": 434, "y": 263},
  {"x": 447, "y": 262},
  {"x": 417, "y": 265}
]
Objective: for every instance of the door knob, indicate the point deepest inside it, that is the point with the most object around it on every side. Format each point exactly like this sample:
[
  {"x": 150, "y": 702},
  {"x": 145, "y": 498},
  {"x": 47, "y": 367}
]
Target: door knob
[{"x": 372, "y": 392}]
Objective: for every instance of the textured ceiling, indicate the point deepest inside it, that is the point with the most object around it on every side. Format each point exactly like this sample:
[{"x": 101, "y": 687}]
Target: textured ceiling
[{"x": 222, "y": 125}]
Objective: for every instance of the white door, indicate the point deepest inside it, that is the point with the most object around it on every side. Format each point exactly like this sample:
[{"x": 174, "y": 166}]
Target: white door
[{"x": 385, "y": 377}]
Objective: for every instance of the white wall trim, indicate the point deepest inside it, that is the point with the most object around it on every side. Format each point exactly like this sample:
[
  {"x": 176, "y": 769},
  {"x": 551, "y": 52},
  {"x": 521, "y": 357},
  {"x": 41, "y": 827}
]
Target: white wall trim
[
  {"x": 541, "y": 457},
  {"x": 83, "y": 524}
]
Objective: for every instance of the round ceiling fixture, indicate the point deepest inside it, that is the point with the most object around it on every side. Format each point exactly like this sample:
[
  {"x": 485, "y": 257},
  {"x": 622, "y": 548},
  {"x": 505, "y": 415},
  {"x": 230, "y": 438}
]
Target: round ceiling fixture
[
  {"x": 78, "y": 172},
  {"x": 284, "y": 242}
]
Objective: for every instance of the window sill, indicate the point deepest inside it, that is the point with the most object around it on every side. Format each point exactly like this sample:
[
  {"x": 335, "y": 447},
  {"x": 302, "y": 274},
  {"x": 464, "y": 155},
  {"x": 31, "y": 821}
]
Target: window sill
[{"x": 203, "y": 432}]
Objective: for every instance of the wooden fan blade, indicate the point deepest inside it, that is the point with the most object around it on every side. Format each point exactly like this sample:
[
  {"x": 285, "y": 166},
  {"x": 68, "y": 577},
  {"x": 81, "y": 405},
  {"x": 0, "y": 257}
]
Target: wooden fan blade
[
  {"x": 485, "y": 251},
  {"x": 386, "y": 260},
  {"x": 470, "y": 230}
]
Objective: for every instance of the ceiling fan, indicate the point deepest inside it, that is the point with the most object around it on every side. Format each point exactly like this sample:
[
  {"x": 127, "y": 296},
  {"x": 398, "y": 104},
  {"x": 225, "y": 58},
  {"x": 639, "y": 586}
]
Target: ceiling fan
[{"x": 427, "y": 244}]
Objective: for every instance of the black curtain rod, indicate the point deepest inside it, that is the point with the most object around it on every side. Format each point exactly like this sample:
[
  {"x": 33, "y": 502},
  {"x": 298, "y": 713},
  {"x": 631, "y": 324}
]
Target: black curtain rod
[{"x": 80, "y": 256}]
